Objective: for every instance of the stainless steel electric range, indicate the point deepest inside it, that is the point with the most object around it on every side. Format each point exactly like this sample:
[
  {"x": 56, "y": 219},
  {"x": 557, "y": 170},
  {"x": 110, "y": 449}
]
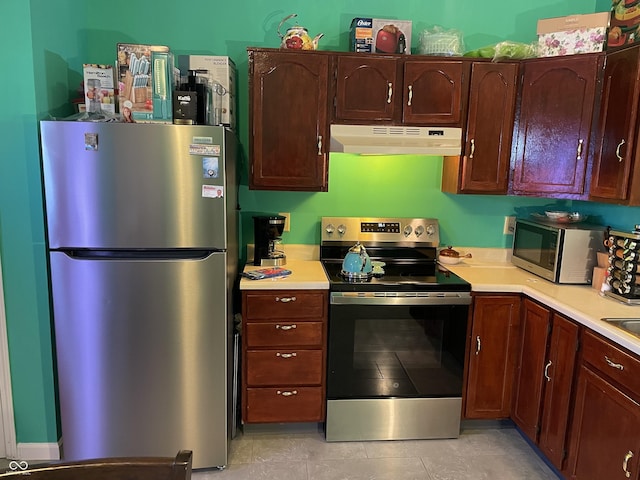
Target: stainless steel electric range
[{"x": 396, "y": 339}]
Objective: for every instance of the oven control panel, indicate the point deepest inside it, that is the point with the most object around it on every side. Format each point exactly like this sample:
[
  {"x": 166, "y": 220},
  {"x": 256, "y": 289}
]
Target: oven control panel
[{"x": 398, "y": 230}]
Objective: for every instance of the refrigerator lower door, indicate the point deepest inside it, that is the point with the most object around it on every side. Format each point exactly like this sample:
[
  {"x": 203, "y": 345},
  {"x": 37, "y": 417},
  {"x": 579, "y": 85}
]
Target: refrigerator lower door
[{"x": 142, "y": 351}]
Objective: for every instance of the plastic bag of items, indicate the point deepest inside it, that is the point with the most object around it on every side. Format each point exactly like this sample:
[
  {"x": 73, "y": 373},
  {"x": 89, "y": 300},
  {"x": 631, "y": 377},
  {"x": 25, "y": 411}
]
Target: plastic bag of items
[
  {"x": 506, "y": 51},
  {"x": 438, "y": 41}
]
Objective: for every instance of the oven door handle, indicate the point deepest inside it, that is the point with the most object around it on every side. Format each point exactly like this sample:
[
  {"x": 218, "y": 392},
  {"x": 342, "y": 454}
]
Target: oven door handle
[{"x": 368, "y": 298}]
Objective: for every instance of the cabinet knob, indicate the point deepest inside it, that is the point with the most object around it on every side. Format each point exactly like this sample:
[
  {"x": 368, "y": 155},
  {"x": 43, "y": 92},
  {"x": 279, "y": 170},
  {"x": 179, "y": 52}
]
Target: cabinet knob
[
  {"x": 478, "y": 344},
  {"x": 473, "y": 147},
  {"x": 389, "y": 92},
  {"x": 410, "y": 98},
  {"x": 579, "y": 152},
  {"x": 319, "y": 144}
]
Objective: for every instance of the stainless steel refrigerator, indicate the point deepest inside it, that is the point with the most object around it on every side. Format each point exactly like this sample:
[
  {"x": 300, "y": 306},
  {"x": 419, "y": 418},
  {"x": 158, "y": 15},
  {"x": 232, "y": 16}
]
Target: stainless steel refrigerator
[{"x": 142, "y": 237}]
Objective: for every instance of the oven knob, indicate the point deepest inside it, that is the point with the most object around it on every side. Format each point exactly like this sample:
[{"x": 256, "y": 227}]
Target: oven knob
[
  {"x": 407, "y": 230},
  {"x": 341, "y": 229},
  {"x": 419, "y": 230},
  {"x": 330, "y": 228},
  {"x": 431, "y": 230}
]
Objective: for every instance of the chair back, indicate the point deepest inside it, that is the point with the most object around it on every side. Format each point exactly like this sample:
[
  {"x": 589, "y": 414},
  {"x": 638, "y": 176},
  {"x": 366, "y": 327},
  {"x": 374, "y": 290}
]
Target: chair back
[{"x": 127, "y": 468}]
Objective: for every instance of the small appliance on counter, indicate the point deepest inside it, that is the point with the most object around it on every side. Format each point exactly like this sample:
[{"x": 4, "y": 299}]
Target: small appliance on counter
[
  {"x": 559, "y": 252},
  {"x": 267, "y": 231},
  {"x": 622, "y": 276}
]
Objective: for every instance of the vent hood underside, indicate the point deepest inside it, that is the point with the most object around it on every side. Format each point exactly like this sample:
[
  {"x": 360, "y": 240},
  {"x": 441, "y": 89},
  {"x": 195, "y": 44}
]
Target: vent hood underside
[{"x": 380, "y": 139}]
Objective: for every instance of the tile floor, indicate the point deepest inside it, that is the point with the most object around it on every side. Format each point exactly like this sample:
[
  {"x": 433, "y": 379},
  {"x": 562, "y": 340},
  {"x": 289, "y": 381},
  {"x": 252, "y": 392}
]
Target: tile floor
[
  {"x": 498, "y": 453},
  {"x": 494, "y": 453}
]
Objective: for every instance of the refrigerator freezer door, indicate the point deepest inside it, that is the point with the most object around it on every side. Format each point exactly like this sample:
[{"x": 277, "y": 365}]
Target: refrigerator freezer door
[
  {"x": 143, "y": 349},
  {"x": 127, "y": 186}
]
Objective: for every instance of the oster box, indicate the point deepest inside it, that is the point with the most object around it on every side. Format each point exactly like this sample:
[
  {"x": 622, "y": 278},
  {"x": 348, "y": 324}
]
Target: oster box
[{"x": 380, "y": 35}]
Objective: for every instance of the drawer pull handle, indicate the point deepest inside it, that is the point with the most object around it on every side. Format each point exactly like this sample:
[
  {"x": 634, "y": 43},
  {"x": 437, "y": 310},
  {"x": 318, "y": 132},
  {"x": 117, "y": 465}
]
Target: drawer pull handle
[
  {"x": 287, "y": 394},
  {"x": 286, "y": 355},
  {"x": 546, "y": 371},
  {"x": 286, "y": 327},
  {"x": 627, "y": 457},
  {"x": 478, "y": 344},
  {"x": 285, "y": 299},
  {"x": 619, "y": 366}
]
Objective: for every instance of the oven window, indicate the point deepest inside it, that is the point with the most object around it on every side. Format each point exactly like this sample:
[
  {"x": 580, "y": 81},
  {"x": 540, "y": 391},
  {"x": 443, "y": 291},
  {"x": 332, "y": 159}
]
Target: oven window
[{"x": 396, "y": 351}]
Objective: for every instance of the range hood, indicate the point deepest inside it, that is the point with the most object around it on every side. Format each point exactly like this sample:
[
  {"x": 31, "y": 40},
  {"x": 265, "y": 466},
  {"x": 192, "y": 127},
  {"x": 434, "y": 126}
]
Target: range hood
[{"x": 381, "y": 139}]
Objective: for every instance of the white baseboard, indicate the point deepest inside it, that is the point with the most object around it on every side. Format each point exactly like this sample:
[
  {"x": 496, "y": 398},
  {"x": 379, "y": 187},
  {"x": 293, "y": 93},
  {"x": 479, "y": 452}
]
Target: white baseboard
[{"x": 38, "y": 451}]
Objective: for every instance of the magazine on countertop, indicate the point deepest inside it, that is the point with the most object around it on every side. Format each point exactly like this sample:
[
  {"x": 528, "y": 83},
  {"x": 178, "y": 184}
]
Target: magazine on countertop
[{"x": 270, "y": 272}]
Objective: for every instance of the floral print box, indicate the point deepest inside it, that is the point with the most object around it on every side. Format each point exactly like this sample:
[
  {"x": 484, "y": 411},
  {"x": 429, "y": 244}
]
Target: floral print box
[{"x": 572, "y": 34}]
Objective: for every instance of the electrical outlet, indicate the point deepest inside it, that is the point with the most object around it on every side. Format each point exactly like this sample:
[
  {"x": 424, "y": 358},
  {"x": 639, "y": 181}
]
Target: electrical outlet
[
  {"x": 509, "y": 225},
  {"x": 287, "y": 222}
]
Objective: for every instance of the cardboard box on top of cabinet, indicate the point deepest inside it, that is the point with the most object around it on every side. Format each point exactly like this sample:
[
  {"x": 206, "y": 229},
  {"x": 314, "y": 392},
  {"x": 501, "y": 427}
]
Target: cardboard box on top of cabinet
[
  {"x": 572, "y": 34},
  {"x": 99, "y": 91},
  {"x": 624, "y": 25},
  {"x": 137, "y": 84},
  {"x": 380, "y": 35},
  {"x": 221, "y": 70}
]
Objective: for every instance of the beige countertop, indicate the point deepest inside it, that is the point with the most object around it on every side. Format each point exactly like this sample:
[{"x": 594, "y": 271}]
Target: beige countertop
[
  {"x": 305, "y": 275},
  {"x": 583, "y": 304}
]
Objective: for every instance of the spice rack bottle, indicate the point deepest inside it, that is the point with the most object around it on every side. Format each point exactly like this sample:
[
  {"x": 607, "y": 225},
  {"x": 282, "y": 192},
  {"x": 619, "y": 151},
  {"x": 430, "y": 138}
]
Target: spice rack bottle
[{"x": 624, "y": 257}]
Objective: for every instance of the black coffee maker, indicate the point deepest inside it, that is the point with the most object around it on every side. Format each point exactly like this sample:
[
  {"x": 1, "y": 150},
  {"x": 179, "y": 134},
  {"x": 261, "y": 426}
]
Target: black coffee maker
[{"x": 267, "y": 231}]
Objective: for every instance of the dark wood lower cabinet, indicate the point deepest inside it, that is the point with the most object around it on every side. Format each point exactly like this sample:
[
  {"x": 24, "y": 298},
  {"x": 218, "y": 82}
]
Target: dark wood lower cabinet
[
  {"x": 527, "y": 400},
  {"x": 492, "y": 350},
  {"x": 558, "y": 377}
]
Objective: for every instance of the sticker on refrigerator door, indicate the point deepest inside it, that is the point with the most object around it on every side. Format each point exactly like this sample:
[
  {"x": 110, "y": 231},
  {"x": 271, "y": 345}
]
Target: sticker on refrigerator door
[
  {"x": 210, "y": 167},
  {"x": 91, "y": 141},
  {"x": 200, "y": 149},
  {"x": 212, "y": 191}
]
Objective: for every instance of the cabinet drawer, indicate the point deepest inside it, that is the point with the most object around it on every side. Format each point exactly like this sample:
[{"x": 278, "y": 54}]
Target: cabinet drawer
[
  {"x": 617, "y": 364},
  {"x": 284, "y": 367},
  {"x": 289, "y": 304},
  {"x": 274, "y": 334},
  {"x": 288, "y": 404}
]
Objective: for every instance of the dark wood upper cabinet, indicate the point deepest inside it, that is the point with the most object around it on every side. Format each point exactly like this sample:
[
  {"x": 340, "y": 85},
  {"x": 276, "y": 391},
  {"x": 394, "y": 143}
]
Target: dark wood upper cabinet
[
  {"x": 435, "y": 92},
  {"x": 484, "y": 165},
  {"x": 368, "y": 88},
  {"x": 399, "y": 90},
  {"x": 553, "y": 128},
  {"x": 288, "y": 119},
  {"x": 616, "y": 177}
]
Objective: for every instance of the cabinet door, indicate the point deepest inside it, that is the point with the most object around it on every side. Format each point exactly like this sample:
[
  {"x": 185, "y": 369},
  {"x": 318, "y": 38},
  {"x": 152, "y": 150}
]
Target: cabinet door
[
  {"x": 530, "y": 371},
  {"x": 493, "y": 343},
  {"x": 435, "y": 92},
  {"x": 554, "y": 125},
  {"x": 485, "y": 164},
  {"x": 289, "y": 128},
  {"x": 616, "y": 137},
  {"x": 604, "y": 433},
  {"x": 558, "y": 375},
  {"x": 367, "y": 88}
]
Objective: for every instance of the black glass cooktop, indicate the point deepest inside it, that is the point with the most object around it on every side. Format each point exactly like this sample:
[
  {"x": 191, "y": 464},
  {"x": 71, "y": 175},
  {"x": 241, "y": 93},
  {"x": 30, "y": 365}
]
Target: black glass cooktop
[{"x": 404, "y": 269}]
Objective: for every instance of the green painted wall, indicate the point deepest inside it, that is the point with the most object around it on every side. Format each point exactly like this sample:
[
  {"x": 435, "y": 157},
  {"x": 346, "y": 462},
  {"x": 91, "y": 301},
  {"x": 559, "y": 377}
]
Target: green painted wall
[{"x": 48, "y": 43}]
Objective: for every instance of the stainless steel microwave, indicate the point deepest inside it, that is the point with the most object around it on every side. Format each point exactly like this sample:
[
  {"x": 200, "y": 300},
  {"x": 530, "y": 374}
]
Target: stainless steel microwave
[{"x": 560, "y": 253}]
